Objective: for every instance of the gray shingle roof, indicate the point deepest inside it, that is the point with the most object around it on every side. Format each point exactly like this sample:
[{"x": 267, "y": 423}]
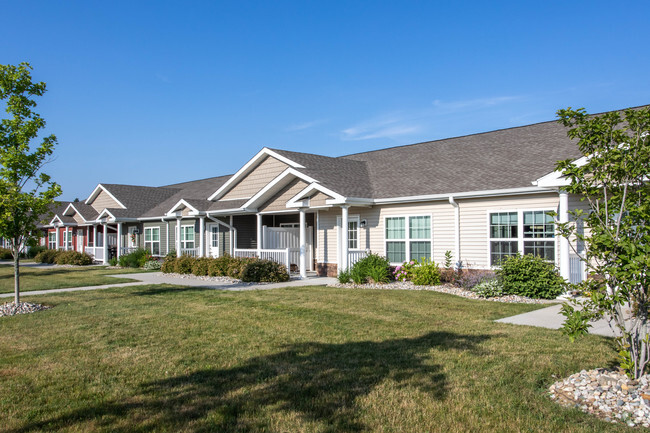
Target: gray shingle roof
[
  {"x": 138, "y": 199},
  {"x": 87, "y": 211}
]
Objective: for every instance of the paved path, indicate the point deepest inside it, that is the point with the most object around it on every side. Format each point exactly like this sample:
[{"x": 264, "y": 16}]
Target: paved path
[
  {"x": 158, "y": 278},
  {"x": 551, "y": 318}
]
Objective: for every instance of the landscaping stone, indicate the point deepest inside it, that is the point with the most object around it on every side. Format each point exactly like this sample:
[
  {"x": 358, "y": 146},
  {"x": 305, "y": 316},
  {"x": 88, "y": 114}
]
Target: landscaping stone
[
  {"x": 215, "y": 279},
  {"x": 11, "y": 308},
  {"x": 608, "y": 394},
  {"x": 444, "y": 288}
]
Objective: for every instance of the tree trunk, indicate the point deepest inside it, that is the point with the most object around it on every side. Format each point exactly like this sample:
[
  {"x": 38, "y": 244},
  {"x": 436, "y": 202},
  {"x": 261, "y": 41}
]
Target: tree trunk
[{"x": 16, "y": 278}]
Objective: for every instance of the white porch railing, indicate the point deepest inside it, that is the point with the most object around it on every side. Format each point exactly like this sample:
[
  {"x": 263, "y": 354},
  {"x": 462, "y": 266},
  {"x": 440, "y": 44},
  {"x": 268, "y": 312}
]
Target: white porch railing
[
  {"x": 282, "y": 256},
  {"x": 356, "y": 255},
  {"x": 192, "y": 252},
  {"x": 576, "y": 269},
  {"x": 127, "y": 250},
  {"x": 96, "y": 252}
]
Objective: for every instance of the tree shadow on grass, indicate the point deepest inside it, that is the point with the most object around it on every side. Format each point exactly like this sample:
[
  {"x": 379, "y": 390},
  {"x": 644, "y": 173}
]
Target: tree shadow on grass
[
  {"x": 161, "y": 289},
  {"x": 318, "y": 382}
]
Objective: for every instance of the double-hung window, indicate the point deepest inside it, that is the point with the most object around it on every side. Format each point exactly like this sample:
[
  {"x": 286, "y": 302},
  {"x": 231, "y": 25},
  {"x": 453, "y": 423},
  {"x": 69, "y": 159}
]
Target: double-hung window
[
  {"x": 67, "y": 240},
  {"x": 152, "y": 240},
  {"x": 187, "y": 237},
  {"x": 51, "y": 240},
  {"x": 526, "y": 232},
  {"x": 353, "y": 234},
  {"x": 408, "y": 237}
]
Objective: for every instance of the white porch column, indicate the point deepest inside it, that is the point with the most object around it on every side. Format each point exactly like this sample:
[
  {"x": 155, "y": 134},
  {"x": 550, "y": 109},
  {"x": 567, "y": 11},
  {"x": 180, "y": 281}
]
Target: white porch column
[
  {"x": 303, "y": 244},
  {"x": 57, "y": 237},
  {"x": 178, "y": 236},
  {"x": 344, "y": 238},
  {"x": 119, "y": 240},
  {"x": 233, "y": 245},
  {"x": 94, "y": 238},
  {"x": 167, "y": 233},
  {"x": 66, "y": 238},
  {"x": 259, "y": 235},
  {"x": 202, "y": 240},
  {"x": 105, "y": 261},
  {"x": 563, "y": 214}
]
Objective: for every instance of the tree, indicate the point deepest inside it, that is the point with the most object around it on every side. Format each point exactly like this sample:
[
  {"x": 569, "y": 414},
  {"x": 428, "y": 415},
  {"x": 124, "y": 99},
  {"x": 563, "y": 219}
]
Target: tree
[
  {"x": 26, "y": 193},
  {"x": 613, "y": 179}
]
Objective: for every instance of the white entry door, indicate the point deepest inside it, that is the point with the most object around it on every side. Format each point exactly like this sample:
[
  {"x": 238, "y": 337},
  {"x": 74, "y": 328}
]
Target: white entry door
[
  {"x": 80, "y": 240},
  {"x": 213, "y": 240}
]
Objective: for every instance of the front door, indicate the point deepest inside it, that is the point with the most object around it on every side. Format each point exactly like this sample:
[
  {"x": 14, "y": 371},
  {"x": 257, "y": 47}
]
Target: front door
[
  {"x": 80, "y": 240},
  {"x": 213, "y": 240}
]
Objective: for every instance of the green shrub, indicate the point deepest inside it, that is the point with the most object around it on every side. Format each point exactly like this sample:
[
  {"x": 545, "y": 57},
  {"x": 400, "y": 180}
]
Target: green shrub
[
  {"x": 219, "y": 267},
  {"x": 358, "y": 275},
  {"x": 264, "y": 271},
  {"x": 530, "y": 276},
  {"x": 169, "y": 265},
  {"x": 5, "y": 254},
  {"x": 200, "y": 266},
  {"x": 136, "y": 259},
  {"x": 489, "y": 288},
  {"x": 112, "y": 261},
  {"x": 184, "y": 265},
  {"x": 372, "y": 266},
  {"x": 152, "y": 265},
  {"x": 47, "y": 256},
  {"x": 470, "y": 278},
  {"x": 34, "y": 250},
  {"x": 426, "y": 273},
  {"x": 171, "y": 254},
  {"x": 73, "y": 258},
  {"x": 344, "y": 277},
  {"x": 237, "y": 265},
  {"x": 404, "y": 272}
]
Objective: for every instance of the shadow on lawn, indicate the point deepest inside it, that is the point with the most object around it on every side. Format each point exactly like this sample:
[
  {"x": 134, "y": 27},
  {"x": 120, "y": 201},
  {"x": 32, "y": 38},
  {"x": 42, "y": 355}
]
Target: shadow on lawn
[
  {"x": 316, "y": 381},
  {"x": 162, "y": 289}
]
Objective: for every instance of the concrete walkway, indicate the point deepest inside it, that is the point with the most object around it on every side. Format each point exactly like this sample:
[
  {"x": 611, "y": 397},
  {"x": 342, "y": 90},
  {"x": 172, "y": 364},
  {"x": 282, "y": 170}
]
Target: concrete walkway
[
  {"x": 158, "y": 278},
  {"x": 551, "y": 318}
]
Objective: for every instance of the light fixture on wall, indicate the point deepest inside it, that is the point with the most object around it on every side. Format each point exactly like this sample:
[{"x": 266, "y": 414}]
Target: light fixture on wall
[{"x": 363, "y": 223}]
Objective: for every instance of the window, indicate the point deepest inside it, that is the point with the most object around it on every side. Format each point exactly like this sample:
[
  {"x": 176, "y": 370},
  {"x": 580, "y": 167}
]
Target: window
[
  {"x": 187, "y": 237},
  {"x": 51, "y": 240},
  {"x": 67, "y": 240},
  {"x": 528, "y": 232},
  {"x": 503, "y": 236},
  {"x": 152, "y": 240},
  {"x": 408, "y": 237},
  {"x": 353, "y": 235},
  {"x": 214, "y": 236}
]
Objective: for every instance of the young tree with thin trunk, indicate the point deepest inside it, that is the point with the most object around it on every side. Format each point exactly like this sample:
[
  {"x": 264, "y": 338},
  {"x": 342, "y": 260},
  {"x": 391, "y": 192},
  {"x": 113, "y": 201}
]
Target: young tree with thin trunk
[
  {"x": 26, "y": 193},
  {"x": 613, "y": 179}
]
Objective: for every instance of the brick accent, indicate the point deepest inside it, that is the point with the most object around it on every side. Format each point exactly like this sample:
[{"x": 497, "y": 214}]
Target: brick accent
[{"x": 326, "y": 270}]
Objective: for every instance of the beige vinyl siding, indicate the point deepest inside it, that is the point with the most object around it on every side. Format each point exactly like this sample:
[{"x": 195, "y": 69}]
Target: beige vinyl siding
[
  {"x": 474, "y": 225},
  {"x": 267, "y": 170},
  {"x": 279, "y": 200},
  {"x": 103, "y": 201},
  {"x": 576, "y": 203},
  {"x": 319, "y": 199},
  {"x": 78, "y": 218}
]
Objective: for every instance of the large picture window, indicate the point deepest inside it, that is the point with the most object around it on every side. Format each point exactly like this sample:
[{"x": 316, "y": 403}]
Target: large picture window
[
  {"x": 152, "y": 240},
  {"x": 187, "y": 237},
  {"x": 526, "y": 232},
  {"x": 408, "y": 237}
]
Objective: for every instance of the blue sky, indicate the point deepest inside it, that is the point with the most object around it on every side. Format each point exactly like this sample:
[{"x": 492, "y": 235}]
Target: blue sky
[{"x": 158, "y": 92}]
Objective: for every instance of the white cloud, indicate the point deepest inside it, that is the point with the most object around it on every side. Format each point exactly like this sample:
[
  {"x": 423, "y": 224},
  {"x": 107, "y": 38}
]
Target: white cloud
[
  {"x": 305, "y": 125},
  {"x": 387, "y": 126}
]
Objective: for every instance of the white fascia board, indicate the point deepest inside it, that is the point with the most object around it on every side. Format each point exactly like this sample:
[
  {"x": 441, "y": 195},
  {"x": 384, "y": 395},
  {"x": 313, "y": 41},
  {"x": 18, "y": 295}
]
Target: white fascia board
[
  {"x": 297, "y": 200},
  {"x": 105, "y": 213},
  {"x": 183, "y": 203},
  {"x": 468, "y": 194},
  {"x": 275, "y": 185},
  {"x": 96, "y": 191},
  {"x": 56, "y": 217},
  {"x": 556, "y": 179},
  {"x": 248, "y": 167}
]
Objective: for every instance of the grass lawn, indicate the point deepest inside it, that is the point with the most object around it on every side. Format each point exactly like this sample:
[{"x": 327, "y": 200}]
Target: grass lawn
[
  {"x": 59, "y": 277},
  {"x": 314, "y": 359}
]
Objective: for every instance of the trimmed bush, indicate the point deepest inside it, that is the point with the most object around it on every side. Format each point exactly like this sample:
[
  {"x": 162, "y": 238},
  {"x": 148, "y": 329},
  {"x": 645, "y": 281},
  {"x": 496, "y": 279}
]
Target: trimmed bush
[
  {"x": 47, "y": 256},
  {"x": 73, "y": 258},
  {"x": 200, "y": 266},
  {"x": 237, "y": 265},
  {"x": 264, "y": 271},
  {"x": 372, "y": 267},
  {"x": 184, "y": 265},
  {"x": 136, "y": 259},
  {"x": 219, "y": 267},
  {"x": 152, "y": 265},
  {"x": 169, "y": 265},
  {"x": 426, "y": 273},
  {"x": 530, "y": 276},
  {"x": 34, "y": 250},
  {"x": 5, "y": 254}
]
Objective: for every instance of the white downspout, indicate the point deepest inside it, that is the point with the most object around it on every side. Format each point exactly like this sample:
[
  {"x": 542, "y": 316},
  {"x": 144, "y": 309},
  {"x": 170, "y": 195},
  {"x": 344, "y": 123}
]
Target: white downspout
[
  {"x": 303, "y": 244},
  {"x": 344, "y": 238},
  {"x": 565, "y": 262},
  {"x": 456, "y": 228}
]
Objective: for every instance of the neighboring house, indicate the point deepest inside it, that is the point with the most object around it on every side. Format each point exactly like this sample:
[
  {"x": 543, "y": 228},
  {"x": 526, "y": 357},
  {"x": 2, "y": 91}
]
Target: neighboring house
[{"x": 483, "y": 197}]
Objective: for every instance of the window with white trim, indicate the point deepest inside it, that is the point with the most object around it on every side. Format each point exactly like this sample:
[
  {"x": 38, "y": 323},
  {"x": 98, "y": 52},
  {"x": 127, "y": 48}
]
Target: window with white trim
[
  {"x": 187, "y": 237},
  {"x": 408, "y": 237},
  {"x": 51, "y": 240},
  {"x": 353, "y": 234},
  {"x": 67, "y": 240},
  {"x": 526, "y": 232},
  {"x": 152, "y": 240}
]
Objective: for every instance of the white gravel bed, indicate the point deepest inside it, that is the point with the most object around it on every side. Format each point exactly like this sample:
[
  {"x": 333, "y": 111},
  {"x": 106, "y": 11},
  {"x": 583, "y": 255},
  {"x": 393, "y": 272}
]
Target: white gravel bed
[
  {"x": 11, "y": 308},
  {"x": 444, "y": 288},
  {"x": 226, "y": 280},
  {"x": 607, "y": 394}
]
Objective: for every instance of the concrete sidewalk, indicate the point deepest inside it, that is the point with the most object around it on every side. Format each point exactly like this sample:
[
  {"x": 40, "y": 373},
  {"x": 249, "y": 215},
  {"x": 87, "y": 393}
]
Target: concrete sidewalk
[
  {"x": 145, "y": 278},
  {"x": 551, "y": 318}
]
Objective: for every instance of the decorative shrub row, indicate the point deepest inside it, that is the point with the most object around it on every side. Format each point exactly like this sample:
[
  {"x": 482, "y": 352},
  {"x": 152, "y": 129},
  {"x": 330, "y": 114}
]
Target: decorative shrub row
[
  {"x": 135, "y": 259},
  {"x": 243, "y": 268},
  {"x": 5, "y": 254},
  {"x": 63, "y": 258}
]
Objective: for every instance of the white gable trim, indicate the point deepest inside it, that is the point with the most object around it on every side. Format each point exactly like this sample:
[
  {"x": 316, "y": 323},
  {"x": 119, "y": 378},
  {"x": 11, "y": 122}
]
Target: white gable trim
[
  {"x": 248, "y": 167},
  {"x": 556, "y": 179},
  {"x": 106, "y": 213},
  {"x": 180, "y": 203},
  {"x": 56, "y": 217},
  {"x": 274, "y": 186},
  {"x": 299, "y": 201},
  {"x": 96, "y": 192},
  {"x": 76, "y": 211}
]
